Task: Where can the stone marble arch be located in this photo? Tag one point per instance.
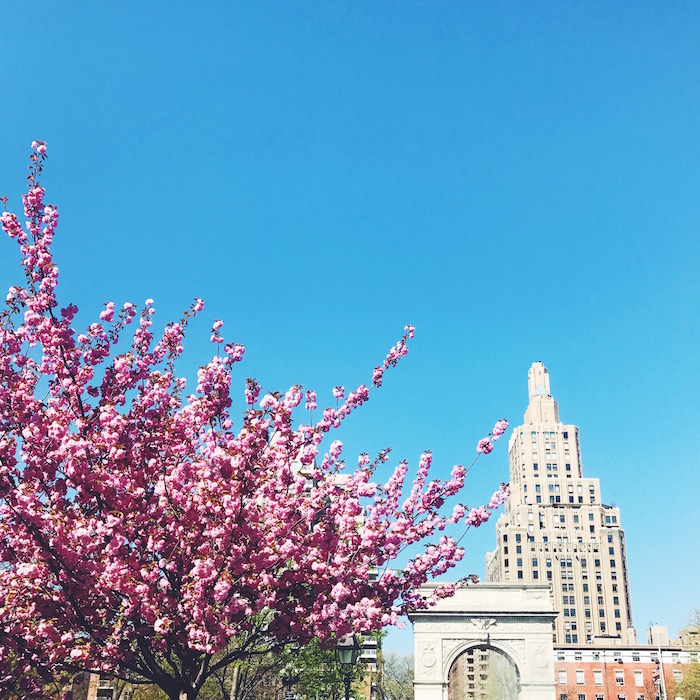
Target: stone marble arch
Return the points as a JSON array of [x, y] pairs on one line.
[[514, 620]]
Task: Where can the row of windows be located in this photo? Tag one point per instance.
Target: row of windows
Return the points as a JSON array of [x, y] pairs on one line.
[[617, 655], [562, 676], [561, 540], [548, 434], [564, 563], [599, 696]]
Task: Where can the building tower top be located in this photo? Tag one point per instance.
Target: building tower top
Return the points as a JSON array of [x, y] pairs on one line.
[[542, 407], [538, 380]]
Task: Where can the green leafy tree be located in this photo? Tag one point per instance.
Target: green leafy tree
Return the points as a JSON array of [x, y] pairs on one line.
[[689, 687], [396, 676]]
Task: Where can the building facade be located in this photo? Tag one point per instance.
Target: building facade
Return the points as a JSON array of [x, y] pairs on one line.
[[556, 529], [621, 673]]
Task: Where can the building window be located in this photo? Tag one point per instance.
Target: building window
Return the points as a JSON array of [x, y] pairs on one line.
[[619, 677], [639, 679], [562, 678], [598, 677], [579, 678]]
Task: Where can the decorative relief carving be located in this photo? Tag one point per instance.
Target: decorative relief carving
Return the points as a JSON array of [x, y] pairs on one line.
[[518, 648], [427, 660], [541, 659], [483, 623], [448, 646]]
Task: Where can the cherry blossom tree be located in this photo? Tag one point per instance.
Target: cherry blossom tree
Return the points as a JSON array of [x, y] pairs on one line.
[[152, 533]]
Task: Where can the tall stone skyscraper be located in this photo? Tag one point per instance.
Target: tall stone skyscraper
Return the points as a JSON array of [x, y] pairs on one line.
[[555, 528]]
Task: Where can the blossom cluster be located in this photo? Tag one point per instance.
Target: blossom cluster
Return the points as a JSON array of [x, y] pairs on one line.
[[485, 445]]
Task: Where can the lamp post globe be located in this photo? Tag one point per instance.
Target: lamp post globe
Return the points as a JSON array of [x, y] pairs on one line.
[[347, 651]]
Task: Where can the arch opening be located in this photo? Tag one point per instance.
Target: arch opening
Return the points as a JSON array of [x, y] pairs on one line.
[[483, 672]]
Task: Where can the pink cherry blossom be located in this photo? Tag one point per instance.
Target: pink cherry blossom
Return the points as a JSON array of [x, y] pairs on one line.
[[485, 446], [144, 530], [498, 429], [310, 400]]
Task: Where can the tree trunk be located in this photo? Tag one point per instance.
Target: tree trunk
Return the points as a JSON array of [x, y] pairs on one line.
[[234, 683]]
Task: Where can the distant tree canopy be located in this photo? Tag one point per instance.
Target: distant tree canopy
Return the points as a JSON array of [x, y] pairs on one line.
[[689, 687], [396, 676]]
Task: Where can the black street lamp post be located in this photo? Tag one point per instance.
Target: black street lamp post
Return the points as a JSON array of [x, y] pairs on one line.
[[289, 679], [347, 652]]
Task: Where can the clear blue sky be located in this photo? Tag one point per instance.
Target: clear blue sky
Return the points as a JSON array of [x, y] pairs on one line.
[[520, 181]]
